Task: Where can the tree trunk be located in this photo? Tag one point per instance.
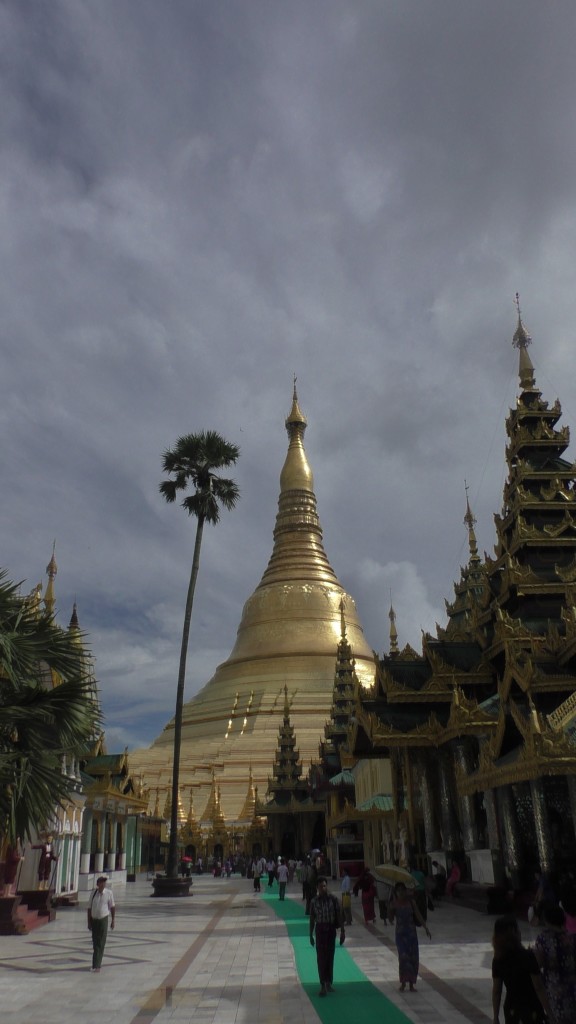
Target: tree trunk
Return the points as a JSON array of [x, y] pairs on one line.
[[172, 866]]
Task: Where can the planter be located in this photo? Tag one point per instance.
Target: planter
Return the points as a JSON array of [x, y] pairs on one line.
[[10, 922], [164, 886]]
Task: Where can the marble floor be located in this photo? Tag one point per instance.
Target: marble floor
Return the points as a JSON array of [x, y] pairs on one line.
[[224, 957]]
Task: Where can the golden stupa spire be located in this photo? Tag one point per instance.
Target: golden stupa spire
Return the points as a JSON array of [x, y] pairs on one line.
[[521, 341], [288, 632], [297, 535], [51, 569], [393, 630]]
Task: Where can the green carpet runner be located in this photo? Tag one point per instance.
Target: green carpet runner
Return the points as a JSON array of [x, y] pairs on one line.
[[356, 998]]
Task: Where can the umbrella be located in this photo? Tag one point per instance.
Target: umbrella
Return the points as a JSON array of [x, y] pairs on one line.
[[187, 860], [391, 874]]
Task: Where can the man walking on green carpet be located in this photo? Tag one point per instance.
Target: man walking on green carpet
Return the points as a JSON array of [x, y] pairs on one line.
[[325, 919]]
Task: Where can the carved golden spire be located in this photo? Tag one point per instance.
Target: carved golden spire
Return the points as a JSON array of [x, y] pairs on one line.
[[51, 569], [156, 811], [521, 340], [211, 810], [393, 631], [191, 820], [168, 808], [247, 812]]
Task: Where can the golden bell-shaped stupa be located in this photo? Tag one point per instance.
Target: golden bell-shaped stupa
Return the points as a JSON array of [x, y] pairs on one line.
[[287, 637]]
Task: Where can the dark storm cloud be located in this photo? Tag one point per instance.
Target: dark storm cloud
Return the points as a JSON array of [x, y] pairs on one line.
[[201, 199]]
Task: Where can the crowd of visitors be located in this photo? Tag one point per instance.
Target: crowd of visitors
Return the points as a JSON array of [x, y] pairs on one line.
[[534, 984]]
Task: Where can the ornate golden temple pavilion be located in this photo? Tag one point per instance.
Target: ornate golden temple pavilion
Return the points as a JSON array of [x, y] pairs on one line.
[[286, 639], [469, 748]]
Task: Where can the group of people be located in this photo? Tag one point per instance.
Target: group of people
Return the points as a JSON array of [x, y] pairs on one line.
[[536, 985], [328, 915], [279, 869]]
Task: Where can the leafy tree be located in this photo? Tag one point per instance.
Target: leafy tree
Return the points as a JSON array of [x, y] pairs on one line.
[[47, 711], [194, 461]]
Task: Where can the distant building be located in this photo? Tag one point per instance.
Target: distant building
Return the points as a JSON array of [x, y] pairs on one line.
[[478, 732]]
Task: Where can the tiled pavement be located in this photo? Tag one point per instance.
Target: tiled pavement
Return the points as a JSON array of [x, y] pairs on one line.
[[223, 957]]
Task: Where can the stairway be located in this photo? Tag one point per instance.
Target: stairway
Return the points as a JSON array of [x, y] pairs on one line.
[[22, 913]]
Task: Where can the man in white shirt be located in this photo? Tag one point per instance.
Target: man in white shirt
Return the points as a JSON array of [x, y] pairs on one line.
[[100, 907], [282, 877]]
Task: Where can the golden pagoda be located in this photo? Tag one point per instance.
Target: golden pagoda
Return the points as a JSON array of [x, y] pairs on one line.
[[287, 638]]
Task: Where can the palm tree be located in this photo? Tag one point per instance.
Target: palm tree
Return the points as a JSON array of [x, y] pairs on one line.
[[194, 460], [47, 711]]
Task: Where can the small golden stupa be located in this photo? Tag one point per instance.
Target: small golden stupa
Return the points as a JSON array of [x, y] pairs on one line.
[[287, 638]]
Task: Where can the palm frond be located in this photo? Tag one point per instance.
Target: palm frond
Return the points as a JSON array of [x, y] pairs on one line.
[[46, 710]]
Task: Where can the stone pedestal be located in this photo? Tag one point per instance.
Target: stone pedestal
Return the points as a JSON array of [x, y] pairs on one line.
[[164, 886], [10, 923], [481, 866]]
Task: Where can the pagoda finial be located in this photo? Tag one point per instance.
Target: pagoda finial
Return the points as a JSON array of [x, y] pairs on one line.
[[286, 703], [521, 341], [51, 569], [393, 630], [342, 620], [296, 473], [470, 522], [74, 625]]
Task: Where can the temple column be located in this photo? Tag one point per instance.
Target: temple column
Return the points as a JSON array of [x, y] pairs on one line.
[[541, 825], [111, 858], [463, 761], [489, 801], [86, 843], [511, 833], [100, 839], [450, 833], [571, 780], [432, 836]]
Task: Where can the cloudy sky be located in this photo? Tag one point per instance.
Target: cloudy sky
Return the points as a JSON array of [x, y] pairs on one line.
[[200, 199]]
